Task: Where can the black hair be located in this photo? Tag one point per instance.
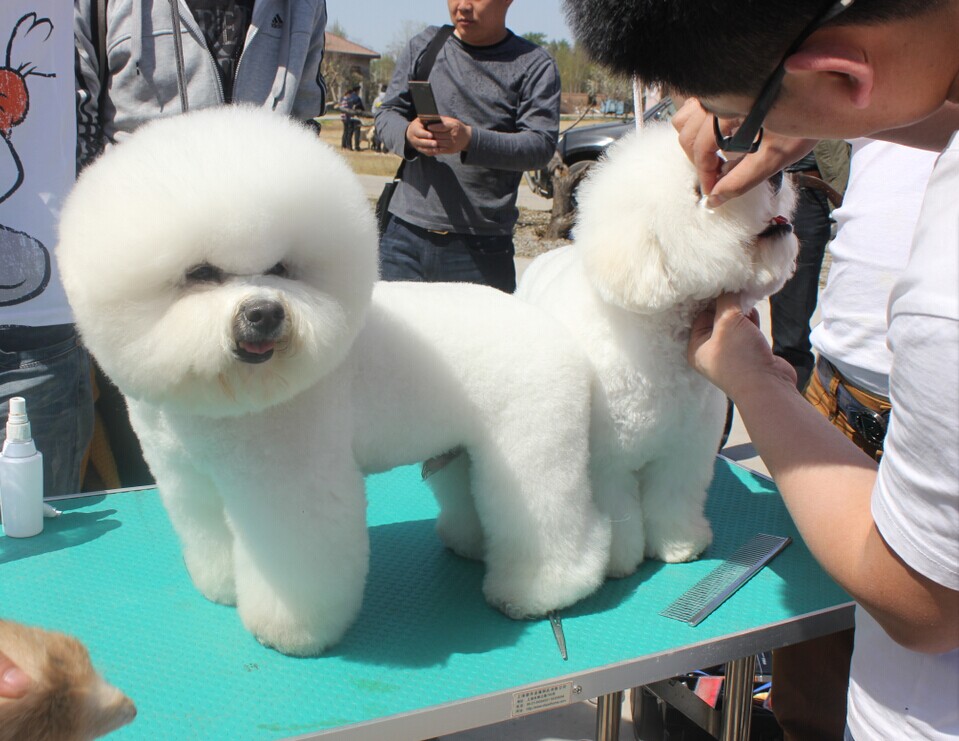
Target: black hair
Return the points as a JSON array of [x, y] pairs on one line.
[[709, 47]]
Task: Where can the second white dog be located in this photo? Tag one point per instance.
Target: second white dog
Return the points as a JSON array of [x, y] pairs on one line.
[[221, 267], [647, 257]]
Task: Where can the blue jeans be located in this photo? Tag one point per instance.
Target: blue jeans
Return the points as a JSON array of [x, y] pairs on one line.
[[408, 252], [793, 307], [49, 368]]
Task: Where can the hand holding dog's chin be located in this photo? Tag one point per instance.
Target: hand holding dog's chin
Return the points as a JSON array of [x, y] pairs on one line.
[[727, 178], [727, 347]]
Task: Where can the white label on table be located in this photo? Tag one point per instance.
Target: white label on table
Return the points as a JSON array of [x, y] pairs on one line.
[[541, 698]]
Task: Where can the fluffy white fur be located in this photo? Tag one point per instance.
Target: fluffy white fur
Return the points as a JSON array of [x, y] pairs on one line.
[[646, 258], [174, 247]]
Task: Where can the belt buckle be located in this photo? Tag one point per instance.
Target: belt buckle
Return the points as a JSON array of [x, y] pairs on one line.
[[871, 425]]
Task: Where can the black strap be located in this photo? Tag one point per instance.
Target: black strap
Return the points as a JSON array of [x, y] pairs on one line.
[[98, 23], [424, 66]]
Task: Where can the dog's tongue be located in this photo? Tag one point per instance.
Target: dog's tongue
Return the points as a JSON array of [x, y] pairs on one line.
[[258, 348], [780, 220]]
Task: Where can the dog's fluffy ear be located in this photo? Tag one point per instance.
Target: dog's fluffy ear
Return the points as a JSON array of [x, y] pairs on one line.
[[647, 241]]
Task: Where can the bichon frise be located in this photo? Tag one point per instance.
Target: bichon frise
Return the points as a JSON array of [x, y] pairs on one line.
[[67, 699], [221, 267], [647, 257]]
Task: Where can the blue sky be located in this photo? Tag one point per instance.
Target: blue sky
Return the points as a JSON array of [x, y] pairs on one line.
[[377, 24]]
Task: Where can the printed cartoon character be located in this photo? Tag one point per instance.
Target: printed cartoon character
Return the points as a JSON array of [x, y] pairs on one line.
[[24, 261]]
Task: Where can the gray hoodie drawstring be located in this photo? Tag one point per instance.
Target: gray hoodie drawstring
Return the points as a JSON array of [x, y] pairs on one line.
[[136, 40], [178, 53]]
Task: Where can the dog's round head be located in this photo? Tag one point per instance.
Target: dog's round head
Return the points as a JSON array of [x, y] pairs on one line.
[[649, 243], [219, 262]]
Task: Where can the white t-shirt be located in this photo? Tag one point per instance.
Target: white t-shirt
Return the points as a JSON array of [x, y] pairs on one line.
[[895, 693], [37, 158], [875, 225]]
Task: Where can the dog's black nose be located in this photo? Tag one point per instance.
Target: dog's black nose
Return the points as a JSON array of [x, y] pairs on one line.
[[262, 315]]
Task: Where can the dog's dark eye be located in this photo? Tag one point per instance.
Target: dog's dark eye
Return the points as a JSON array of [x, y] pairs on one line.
[[278, 270], [204, 273], [776, 181]]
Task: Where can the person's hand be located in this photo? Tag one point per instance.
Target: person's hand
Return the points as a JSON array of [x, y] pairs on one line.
[[726, 346], [446, 136], [723, 179], [14, 682]]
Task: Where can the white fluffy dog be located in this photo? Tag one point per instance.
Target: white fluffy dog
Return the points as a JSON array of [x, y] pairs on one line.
[[221, 267], [647, 257]]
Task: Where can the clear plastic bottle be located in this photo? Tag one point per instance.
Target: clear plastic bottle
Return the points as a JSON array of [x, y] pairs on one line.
[[21, 476]]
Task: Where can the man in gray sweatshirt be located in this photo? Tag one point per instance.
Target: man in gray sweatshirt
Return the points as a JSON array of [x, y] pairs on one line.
[[452, 215]]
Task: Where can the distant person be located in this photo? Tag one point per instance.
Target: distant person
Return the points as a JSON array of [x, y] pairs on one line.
[[134, 70], [791, 309], [453, 213], [349, 105]]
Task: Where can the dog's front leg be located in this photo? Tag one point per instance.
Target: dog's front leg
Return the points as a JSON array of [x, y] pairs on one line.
[[301, 550], [673, 489], [617, 496], [196, 511]]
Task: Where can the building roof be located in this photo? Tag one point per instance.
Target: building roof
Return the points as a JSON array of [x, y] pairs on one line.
[[338, 45]]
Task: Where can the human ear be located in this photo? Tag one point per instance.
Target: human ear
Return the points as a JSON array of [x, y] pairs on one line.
[[839, 59]]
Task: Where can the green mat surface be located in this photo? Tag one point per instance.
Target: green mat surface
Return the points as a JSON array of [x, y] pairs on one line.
[[109, 571]]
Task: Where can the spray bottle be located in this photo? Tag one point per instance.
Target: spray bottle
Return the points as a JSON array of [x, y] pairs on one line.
[[21, 476]]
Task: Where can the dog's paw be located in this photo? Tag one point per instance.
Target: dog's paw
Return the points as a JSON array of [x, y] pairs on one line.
[[532, 592], [627, 549], [214, 579], [683, 542], [275, 626], [465, 539]]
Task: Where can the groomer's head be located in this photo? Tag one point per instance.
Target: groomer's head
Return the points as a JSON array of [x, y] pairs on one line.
[[479, 22], [847, 68]]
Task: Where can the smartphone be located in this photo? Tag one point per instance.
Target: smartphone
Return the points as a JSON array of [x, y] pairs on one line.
[[423, 101]]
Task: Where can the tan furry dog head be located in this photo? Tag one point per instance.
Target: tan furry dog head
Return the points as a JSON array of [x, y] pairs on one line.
[[649, 243], [68, 700], [183, 288]]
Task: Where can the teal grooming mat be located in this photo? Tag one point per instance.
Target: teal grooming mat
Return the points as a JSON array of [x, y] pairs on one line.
[[426, 655]]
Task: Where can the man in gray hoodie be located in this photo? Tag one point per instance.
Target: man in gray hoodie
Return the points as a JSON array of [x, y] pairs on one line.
[[166, 56]]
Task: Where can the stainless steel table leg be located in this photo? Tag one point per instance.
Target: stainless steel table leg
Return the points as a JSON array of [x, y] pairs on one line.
[[738, 699], [609, 710]]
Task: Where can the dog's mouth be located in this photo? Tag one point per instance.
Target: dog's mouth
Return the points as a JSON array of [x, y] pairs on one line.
[[254, 352], [779, 226]]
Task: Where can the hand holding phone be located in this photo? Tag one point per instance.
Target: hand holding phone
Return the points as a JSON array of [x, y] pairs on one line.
[[423, 101]]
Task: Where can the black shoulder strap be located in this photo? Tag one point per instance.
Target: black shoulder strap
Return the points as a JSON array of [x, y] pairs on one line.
[[425, 63], [423, 67]]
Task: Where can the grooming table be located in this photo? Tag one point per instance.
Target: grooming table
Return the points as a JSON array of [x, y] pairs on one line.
[[427, 656]]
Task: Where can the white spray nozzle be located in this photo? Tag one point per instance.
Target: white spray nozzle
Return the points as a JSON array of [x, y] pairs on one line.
[[18, 425]]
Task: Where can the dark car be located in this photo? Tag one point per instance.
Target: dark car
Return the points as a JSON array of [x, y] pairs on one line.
[[580, 146]]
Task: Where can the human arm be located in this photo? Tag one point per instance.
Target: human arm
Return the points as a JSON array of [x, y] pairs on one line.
[[826, 482], [531, 144], [311, 92], [14, 683], [723, 179]]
